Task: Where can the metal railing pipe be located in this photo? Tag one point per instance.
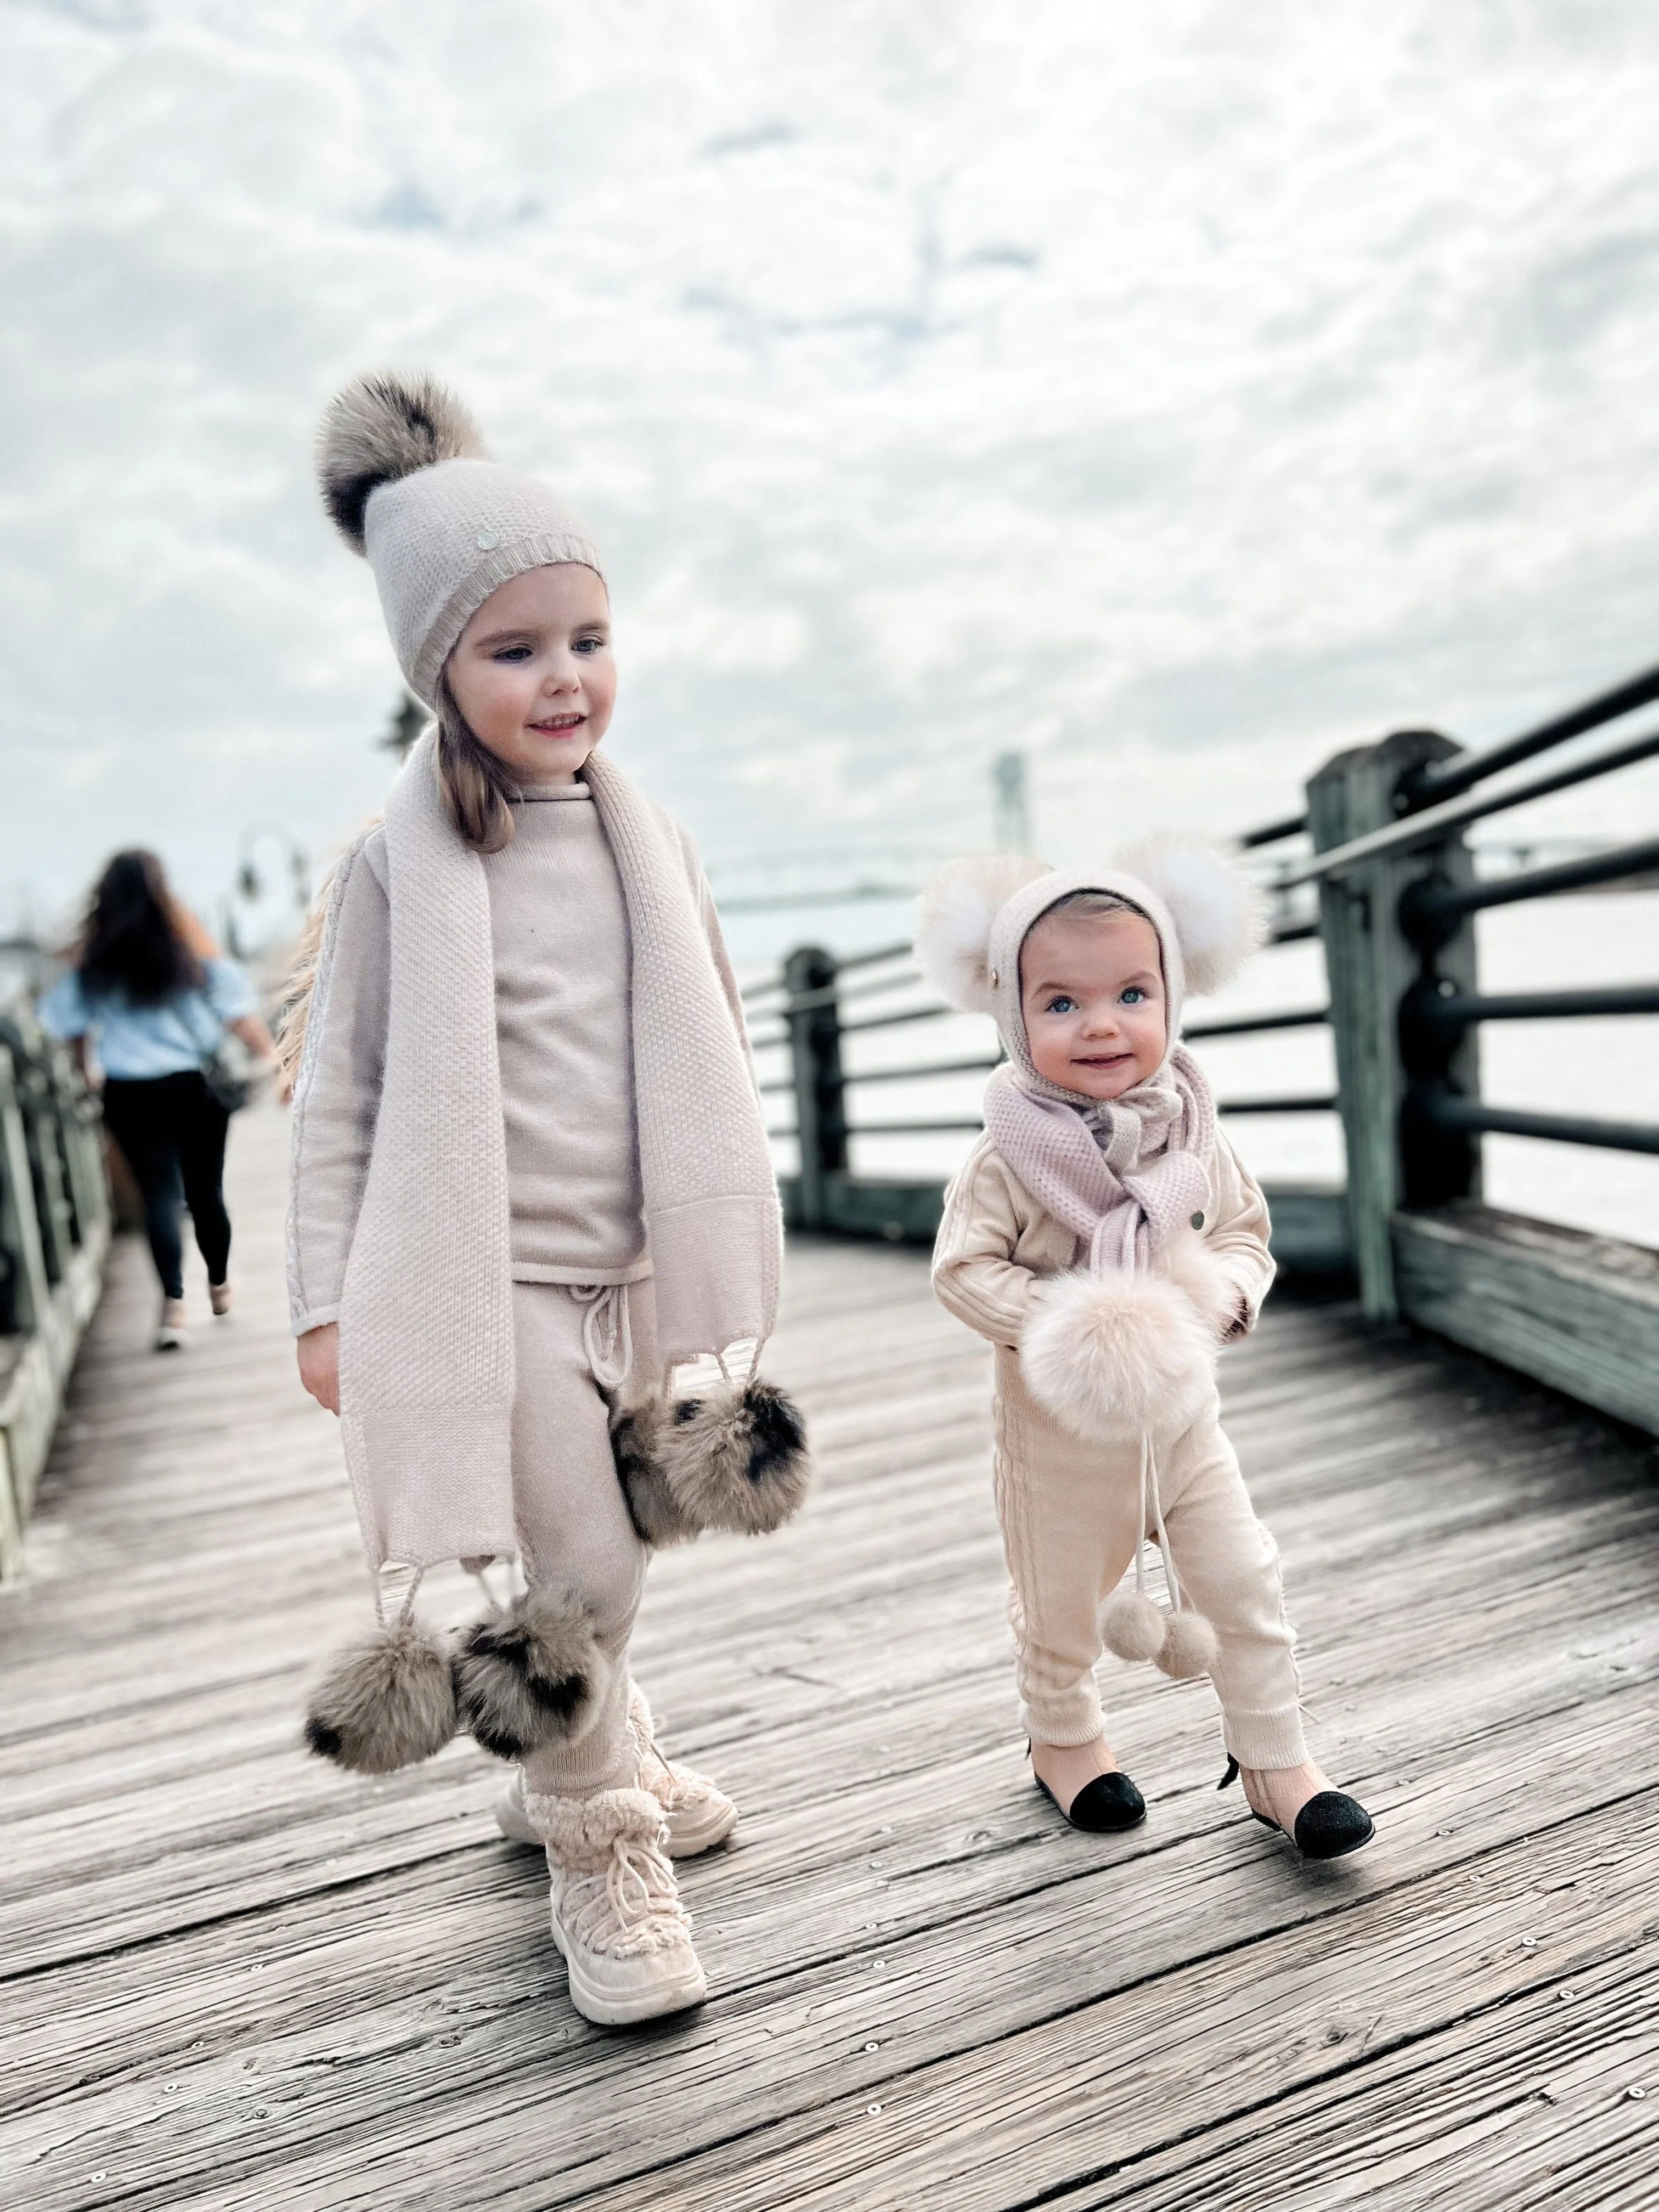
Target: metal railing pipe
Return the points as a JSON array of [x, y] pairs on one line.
[[1431, 782], [1446, 1110], [1457, 1008], [1433, 902], [1247, 1024], [1274, 833], [1431, 827], [1319, 1105]]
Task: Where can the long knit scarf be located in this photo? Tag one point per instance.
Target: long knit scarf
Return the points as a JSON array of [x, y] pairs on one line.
[[1122, 1175], [426, 1313]]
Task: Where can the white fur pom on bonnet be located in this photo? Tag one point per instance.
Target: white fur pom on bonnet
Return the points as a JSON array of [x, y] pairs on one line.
[[1209, 915], [954, 916]]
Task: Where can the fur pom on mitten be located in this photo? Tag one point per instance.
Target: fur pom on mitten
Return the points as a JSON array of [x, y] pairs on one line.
[[735, 1459], [1117, 1357], [531, 1677], [386, 1701], [1191, 1265]]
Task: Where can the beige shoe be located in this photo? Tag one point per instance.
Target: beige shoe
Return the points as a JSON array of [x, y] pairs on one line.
[[697, 1812], [616, 1911], [221, 1296], [170, 1329]]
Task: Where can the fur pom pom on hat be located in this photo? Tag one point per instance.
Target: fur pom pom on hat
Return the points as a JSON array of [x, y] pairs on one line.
[[380, 428], [406, 479]]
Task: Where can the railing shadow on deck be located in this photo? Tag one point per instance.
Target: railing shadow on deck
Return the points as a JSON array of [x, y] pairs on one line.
[[1397, 892]]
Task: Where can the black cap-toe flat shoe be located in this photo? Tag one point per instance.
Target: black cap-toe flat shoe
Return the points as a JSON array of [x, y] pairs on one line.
[[1104, 1806], [1330, 1826]]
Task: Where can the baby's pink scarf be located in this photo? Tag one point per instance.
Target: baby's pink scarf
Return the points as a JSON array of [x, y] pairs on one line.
[[1122, 1175]]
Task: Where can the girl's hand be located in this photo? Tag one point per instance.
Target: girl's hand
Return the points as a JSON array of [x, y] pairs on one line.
[[319, 1364]]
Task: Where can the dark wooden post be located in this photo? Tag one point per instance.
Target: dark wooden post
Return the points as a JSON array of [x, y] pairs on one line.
[[1377, 978], [815, 1060], [28, 1289]]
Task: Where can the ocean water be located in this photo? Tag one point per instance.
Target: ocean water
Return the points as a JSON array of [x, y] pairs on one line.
[[1608, 1068]]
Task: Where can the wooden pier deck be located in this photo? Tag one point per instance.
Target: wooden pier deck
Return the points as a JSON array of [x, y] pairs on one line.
[[233, 1977]]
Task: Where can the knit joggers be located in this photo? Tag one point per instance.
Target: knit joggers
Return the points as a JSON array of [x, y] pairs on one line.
[[1068, 1511], [573, 1529]]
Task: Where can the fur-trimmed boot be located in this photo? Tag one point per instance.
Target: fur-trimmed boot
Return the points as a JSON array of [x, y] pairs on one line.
[[735, 1459], [616, 1911], [697, 1812]]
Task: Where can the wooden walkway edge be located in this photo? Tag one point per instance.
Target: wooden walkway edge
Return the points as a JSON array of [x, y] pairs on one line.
[[231, 1977]]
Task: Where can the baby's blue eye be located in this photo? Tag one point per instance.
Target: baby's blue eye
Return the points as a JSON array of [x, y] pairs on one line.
[[1133, 995], [513, 653], [1062, 1005], [589, 645]]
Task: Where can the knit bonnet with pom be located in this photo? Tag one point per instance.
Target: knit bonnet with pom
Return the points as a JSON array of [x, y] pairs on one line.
[[977, 912], [406, 477]]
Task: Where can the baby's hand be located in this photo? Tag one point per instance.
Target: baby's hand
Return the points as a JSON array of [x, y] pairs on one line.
[[318, 1351]]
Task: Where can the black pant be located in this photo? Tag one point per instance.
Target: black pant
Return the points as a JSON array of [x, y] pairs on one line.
[[172, 1130]]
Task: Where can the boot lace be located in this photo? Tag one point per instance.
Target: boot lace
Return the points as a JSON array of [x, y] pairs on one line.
[[629, 1905]]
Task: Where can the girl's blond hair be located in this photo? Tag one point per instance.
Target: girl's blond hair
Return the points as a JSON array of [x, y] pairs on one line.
[[477, 794]]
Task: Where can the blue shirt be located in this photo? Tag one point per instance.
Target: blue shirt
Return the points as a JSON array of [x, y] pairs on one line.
[[136, 1043]]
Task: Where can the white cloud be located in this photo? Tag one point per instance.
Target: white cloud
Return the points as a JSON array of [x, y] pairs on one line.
[[1180, 393]]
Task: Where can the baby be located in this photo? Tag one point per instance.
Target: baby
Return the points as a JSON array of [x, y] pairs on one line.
[[1105, 1238]]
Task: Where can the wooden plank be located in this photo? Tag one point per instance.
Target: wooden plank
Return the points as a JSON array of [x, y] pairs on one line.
[[349, 1986], [1579, 1312]]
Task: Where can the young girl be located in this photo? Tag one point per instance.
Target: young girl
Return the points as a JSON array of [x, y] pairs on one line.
[[530, 1178], [1107, 1241], [149, 992]]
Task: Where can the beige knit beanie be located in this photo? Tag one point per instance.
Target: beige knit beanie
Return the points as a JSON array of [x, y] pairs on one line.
[[405, 476]]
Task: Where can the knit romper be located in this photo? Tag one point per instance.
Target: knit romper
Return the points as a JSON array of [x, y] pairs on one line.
[[582, 1307], [1069, 1510]]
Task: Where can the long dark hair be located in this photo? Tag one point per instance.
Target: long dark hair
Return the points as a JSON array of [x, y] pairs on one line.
[[135, 939]]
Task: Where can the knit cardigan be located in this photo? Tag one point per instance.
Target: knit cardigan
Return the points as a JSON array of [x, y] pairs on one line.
[[425, 1310]]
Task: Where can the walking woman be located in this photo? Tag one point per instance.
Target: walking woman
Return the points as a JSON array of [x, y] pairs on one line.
[[147, 986]]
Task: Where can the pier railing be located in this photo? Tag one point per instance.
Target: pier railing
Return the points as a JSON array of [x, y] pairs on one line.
[[1397, 894], [54, 1229]]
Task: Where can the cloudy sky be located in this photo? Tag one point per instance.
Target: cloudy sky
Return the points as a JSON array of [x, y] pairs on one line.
[[1176, 393]]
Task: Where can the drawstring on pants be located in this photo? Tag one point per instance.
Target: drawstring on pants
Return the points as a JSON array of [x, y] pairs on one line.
[[1149, 1487], [607, 1332]]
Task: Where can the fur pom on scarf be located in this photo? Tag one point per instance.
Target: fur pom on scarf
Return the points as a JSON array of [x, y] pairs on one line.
[[736, 1461]]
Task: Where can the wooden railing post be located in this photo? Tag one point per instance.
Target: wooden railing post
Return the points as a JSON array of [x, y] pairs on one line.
[[1373, 968], [27, 1289], [815, 1065]]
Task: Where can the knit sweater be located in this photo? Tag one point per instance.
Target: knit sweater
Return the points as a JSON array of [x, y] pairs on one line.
[[411, 1167], [566, 1053], [995, 1241]]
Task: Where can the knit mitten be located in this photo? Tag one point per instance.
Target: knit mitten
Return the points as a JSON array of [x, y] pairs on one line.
[[616, 1911]]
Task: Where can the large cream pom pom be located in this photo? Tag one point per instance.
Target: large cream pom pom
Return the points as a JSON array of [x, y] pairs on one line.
[[1116, 1357], [1131, 1625], [1189, 1647], [1219, 915], [953, 924]]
